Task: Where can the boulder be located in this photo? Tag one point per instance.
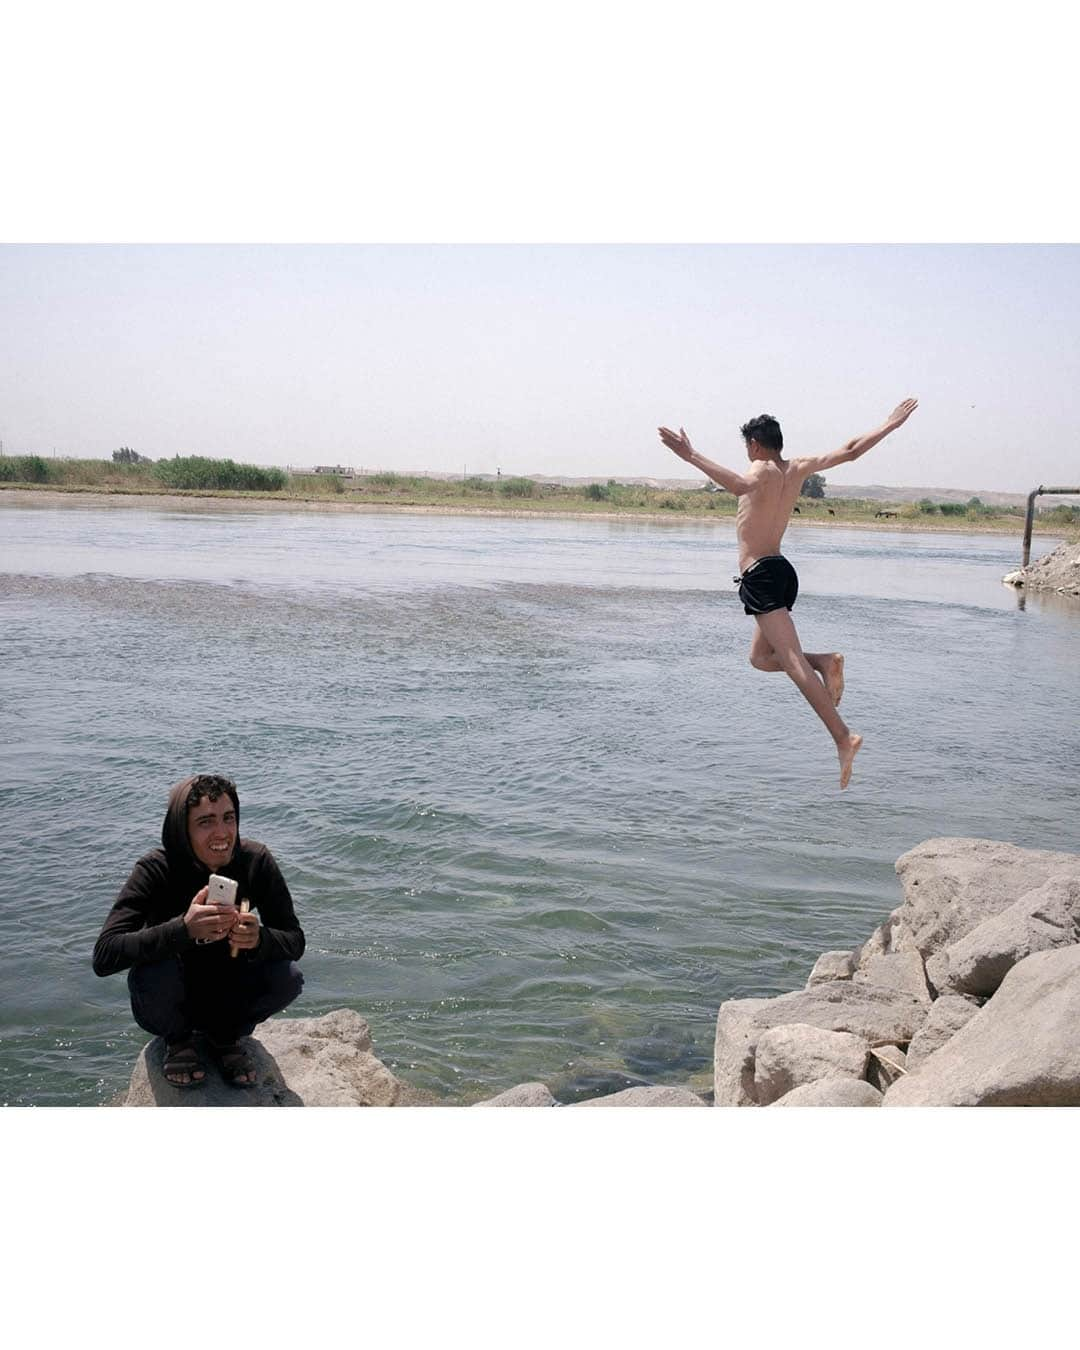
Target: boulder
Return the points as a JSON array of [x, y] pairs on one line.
[[645, 1096], [832, 966], [879, 1016], [788, 1057], [880, 942], [525, 1094], [953, 885], [900, 971], [832, 1092], [887, 1064], [1020, 1049], [1046, 917], [947, 1015], [299, 1061]]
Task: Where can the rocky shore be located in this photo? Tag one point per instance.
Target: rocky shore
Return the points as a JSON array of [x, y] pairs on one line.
[[967, 994], [1059, 571]]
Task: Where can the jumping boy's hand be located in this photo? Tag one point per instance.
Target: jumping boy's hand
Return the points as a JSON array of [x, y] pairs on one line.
[[680, 443], [902, 412]]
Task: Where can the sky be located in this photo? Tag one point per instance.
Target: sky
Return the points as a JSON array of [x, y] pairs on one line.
[[548, 359]]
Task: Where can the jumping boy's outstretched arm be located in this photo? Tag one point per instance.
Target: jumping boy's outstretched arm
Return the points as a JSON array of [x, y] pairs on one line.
[[727, 478], [859, 446]]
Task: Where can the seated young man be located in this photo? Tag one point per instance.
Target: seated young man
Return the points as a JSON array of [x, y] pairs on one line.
[[196, 966]]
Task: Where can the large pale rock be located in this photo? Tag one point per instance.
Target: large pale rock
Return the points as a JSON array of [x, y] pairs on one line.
[[902, 972], [1020, 1049], [525, 1094], [887, 1064], [947, 1015], [299, 1061], [645, 1096], [789, 1056], [1045, 918], [877, 1015], [952, 885], [880, 942], [832, 1092], [832, 966]]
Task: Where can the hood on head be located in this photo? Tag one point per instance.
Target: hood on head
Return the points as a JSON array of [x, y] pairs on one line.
[[174, 831]]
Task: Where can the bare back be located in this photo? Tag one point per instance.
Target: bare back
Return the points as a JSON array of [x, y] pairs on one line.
[[764, 511]]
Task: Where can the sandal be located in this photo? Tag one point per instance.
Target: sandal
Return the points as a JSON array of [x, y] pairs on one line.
[[237, 1067], [181, 1058]]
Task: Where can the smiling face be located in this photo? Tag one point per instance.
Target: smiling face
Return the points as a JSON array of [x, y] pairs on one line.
[[212, 830]]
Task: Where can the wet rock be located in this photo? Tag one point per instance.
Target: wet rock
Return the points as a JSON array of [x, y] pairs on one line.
[[600, 1083], [525, 1094], [646, 1096]]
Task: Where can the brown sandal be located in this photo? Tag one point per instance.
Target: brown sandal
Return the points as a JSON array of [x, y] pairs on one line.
[[181, 1057], [236, 1065]]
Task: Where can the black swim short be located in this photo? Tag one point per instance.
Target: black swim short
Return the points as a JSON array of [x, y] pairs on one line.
[[768, 584]]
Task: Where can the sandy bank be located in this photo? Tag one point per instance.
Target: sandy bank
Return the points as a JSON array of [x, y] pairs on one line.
[[196, 501]]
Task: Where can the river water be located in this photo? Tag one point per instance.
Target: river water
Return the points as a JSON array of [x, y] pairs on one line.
[[538, 814]]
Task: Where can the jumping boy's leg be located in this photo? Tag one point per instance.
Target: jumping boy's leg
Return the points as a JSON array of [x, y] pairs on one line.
[[829, 665], [779, 632]]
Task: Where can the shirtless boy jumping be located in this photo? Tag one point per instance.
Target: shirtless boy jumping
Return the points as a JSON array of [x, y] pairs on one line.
[[768, 585]]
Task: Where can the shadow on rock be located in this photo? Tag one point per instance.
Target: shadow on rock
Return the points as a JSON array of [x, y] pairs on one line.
[[150, 1087]]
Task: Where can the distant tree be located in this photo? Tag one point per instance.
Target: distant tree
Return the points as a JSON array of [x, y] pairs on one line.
[[814, 486], [125, 455]]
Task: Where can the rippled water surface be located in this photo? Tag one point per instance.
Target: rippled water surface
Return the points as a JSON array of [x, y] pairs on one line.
[[538, 814]]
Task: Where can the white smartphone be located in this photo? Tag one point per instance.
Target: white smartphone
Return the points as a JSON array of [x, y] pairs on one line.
[[222, 890]]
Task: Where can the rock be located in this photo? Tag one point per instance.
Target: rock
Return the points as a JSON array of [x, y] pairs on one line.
[[788, 1057], [880, 941], [947, 1015], [1058, 571], [901, 971], [832, 1092], [299, 1061], [1014, 578], [525, 1094], [645, 1096], [1046, 917], [1020, 1049], [832, 966], [887, 1064], [879, 1016], [953, 885]]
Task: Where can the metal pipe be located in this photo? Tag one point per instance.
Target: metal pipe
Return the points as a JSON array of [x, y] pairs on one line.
[[1030, 518]]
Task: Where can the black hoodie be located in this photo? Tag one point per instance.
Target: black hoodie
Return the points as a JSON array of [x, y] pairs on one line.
[[147, 921]]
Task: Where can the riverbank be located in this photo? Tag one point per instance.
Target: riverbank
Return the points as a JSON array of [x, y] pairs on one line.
[[211, 501]]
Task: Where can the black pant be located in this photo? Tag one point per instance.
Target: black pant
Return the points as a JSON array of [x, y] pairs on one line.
[[167, 1002]]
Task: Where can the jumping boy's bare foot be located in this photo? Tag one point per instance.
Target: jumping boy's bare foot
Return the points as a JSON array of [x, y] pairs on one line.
[[834, 679], [847, 750]]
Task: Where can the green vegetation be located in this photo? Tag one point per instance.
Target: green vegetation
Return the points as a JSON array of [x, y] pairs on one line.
[[196, 475], [814, 486]]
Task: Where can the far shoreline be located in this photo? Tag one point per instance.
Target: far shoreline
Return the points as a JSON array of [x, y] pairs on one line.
[[222, 501]]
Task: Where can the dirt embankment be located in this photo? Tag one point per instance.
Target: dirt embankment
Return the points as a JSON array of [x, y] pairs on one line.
[[1058, 571]]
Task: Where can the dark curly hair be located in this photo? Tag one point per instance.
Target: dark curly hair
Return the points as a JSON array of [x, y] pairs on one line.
[[212, 785], [764, 429]]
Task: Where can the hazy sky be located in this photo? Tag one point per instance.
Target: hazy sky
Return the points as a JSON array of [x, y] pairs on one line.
[[554, 359]]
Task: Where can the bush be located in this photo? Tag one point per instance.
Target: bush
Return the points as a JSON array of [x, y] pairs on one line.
[[597, 492], [385, 479], [671, 503], [927, 507], [317, 484], [518, 487], [24, 469], [186, 472], [953, 509]]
